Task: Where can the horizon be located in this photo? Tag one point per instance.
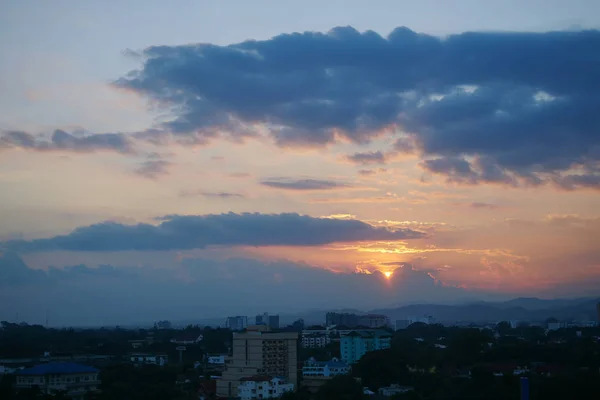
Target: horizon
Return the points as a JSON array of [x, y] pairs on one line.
[[189, 162]]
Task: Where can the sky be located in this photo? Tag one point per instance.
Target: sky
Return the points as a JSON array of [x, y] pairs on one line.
[[194, 159]]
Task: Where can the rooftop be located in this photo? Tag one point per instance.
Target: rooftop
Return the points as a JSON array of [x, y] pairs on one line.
[[58, 368]]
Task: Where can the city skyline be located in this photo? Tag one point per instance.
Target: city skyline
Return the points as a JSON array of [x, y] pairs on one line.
[[363, 156]]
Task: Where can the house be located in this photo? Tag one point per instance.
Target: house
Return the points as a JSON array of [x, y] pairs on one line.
[[74, 379], [394, 390], [263, 387], [147, 358], [357, 343], [187, 339], [216, 359], [327, 369]]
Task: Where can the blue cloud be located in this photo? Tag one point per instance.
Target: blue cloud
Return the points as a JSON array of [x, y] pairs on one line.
[[519, 108], [178, 232]]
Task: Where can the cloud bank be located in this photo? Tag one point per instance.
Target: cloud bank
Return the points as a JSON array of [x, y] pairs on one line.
[[510, 108], [177, 232], [61, 140]]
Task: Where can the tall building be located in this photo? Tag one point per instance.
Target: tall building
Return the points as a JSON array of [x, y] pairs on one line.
[[257, 353], [262, 319], [357, 343], [272, 321], [374, 321], [343, 319], [238, 323]]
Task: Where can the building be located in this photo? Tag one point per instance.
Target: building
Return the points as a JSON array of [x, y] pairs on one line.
[[598, 313], [263, 387], [272, 321], [342, 319], [259, 353], [216, 360], [147, 358], [394, 390], [238, 323], [326, 369], [315, 340], [74, 379], [374, 321], [187, 339], [357, 343]]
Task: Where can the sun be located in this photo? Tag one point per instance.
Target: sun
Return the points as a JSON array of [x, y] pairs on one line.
[[388, 274]]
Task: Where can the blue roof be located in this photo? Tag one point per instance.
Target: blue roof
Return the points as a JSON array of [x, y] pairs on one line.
[[58, 368]]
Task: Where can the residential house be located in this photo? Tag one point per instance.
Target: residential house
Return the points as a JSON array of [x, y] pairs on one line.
[[74, 379], [263, 387], [393, 390], [325, 369]]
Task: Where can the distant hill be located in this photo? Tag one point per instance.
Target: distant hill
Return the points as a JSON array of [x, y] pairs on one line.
[[524, 309]]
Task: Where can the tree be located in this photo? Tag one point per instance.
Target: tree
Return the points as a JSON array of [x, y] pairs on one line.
[[342, 387]]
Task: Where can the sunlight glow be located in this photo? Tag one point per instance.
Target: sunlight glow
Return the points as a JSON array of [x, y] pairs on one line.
[[388, 274]]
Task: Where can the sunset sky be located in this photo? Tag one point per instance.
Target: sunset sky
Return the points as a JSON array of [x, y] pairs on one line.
[[198, 158]]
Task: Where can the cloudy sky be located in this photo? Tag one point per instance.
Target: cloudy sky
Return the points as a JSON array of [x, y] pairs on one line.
[[201, 158]]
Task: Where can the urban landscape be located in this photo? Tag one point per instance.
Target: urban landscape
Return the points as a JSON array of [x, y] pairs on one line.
[[349, 356]]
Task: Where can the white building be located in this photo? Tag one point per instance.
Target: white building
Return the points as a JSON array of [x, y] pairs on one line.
[[314, 340], [263, 387], [326, 369], [153, 359]]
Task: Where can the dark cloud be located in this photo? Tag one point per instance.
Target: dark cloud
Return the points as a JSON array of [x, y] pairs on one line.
[[153, 169], [303, 184], [522, 106], [61, 140], [190, 232], [369, 157], [221, 195]]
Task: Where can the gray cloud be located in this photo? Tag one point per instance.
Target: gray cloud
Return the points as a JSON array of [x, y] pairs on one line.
[[61, 140], [178, 232], [522, 106], [369, 157], [303, 184], [153, 169], [221, 195]]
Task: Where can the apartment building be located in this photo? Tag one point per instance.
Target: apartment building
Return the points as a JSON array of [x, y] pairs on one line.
[[374, 321], [259, 352], [237, 323], [74, 379], [357, 343], [314, 340]]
